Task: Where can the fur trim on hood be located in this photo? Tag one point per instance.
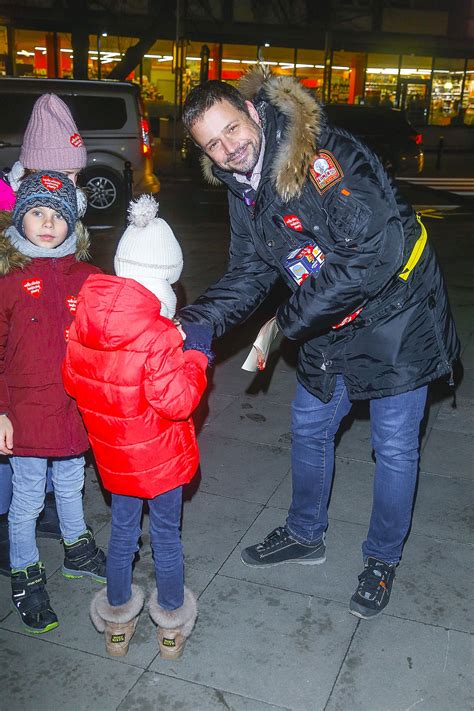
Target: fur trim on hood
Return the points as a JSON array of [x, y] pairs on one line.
[[303, 127], [11, 258]]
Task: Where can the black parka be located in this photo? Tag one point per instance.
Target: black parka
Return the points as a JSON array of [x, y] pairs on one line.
[[404, 336]]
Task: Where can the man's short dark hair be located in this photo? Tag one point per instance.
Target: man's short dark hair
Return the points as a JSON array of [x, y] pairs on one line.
[[203, 97]]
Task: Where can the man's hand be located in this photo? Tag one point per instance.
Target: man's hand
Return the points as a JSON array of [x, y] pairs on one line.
[[6, 435]]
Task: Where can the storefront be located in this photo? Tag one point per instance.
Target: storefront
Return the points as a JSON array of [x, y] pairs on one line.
[[433, 90]]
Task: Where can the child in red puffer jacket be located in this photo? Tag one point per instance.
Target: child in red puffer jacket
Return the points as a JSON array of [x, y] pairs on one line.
[[136, 389]]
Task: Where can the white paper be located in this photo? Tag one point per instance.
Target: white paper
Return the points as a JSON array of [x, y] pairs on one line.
[[257, 358]]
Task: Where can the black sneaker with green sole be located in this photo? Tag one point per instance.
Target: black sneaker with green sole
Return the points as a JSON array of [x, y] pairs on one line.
[[280, 547], [31, 601]]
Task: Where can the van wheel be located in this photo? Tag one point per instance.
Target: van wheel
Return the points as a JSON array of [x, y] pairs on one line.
[[103, 188]]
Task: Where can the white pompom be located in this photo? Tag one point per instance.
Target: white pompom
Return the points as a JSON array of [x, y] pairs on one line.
[[81, 202], [15, 175], [142, 211]]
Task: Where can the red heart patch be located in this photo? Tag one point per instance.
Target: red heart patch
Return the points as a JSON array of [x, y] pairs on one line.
[[71, 302], [50, 183], [33, 287], [293, 222], [66, 334], [76, 140]]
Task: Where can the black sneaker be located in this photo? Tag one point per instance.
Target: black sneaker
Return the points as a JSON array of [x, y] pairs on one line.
[[47, 525], [280, 547], [373, 591], [83, 558], [31, 601]]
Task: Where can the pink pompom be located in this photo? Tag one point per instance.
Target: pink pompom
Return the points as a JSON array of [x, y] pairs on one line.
[[7, 196]]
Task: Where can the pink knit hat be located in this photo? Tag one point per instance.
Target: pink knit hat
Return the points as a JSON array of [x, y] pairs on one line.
[[51, 140]]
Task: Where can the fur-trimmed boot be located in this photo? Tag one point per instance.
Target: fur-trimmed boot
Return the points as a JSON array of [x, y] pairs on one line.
[[118, 622], [173, 626]]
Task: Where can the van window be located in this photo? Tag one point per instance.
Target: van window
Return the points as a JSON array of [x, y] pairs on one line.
[[91, 113]]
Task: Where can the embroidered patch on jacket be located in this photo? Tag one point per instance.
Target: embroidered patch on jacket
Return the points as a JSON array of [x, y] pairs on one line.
[[33, 287], [50, 183], [66, 334], [293, 222], [71, 303], [324, 171]]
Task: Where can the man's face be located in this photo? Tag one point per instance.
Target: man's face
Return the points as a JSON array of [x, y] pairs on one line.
[[230, 137]]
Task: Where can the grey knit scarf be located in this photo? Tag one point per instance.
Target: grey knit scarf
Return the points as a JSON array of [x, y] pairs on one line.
[[28, 249]]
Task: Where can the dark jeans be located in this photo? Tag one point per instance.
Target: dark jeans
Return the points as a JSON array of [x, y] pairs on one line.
[[395, 424], [165, 518]]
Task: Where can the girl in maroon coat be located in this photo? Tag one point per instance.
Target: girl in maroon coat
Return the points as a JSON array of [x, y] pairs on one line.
[[136, 390], [41, 274]]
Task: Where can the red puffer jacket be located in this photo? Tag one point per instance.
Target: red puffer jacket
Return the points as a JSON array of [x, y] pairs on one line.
[[135, 387], [37, 306]]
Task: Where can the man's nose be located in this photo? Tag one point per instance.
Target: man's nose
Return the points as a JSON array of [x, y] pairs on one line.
[[229, 145]]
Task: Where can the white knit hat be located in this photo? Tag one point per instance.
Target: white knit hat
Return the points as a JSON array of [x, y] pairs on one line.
[[149, 252]]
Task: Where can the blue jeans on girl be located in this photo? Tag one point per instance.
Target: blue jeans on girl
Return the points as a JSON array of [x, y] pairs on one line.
[[6, 487], [395, 424], [29, 479], [165, 520]]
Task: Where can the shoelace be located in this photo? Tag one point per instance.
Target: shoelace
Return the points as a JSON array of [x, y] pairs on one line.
[[273, 539], [371, 579]]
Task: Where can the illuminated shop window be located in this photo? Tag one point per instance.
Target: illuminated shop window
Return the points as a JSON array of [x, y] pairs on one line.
[[310, 70], [105, 51], [31, 53], [3, 50], [445, 108], [415, 78], [381, 80], [468, 95], [340, 77], [236, 58]]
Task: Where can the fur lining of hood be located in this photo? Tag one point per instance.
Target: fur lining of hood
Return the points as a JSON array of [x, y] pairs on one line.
[[303, 128], [11, 258]]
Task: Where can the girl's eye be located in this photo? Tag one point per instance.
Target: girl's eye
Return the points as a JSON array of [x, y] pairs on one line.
[[58, 216]]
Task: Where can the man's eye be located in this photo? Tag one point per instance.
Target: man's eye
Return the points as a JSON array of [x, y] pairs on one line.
[[232, 129], [212, 146]]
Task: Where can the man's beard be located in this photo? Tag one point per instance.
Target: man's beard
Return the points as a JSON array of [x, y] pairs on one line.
[[247, 163]]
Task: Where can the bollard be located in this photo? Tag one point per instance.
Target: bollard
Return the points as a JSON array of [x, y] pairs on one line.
[[439, 152], [128, 185]]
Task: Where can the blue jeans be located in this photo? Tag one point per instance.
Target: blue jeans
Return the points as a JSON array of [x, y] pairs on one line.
[[29, 480], [165, 519], [395, 425], [6, 487]]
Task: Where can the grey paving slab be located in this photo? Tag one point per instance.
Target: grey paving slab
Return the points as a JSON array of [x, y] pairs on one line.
[[425, 587], [458, 419], [210, 407], [229, 378], [274, 646], [465, 386], [262, 421], [467, 353], [400, 665], [353, 440], [212, 526], [250, 473], [462, 317], [55, 677], [335, 579], [448, 454], [157, 691], [96, 502]]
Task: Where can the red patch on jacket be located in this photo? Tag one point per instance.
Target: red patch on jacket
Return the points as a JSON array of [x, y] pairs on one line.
[[324, 171], [293, 222], [50, 183], [66, 334], [347, 319], [71, 303], [33, 287]]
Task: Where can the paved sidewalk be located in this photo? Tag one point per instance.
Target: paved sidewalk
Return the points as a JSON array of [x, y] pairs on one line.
[[281, 638]]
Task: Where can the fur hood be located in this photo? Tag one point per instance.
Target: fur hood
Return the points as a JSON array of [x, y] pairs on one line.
[[11, 258], [304, 125]]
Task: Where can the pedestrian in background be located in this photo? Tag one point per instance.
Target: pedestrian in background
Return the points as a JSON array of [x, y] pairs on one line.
[[42, 270], [311, 204], [51, 142], [136, 390]]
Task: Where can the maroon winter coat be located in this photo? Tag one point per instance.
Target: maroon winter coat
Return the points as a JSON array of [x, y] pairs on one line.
[[37, 306]]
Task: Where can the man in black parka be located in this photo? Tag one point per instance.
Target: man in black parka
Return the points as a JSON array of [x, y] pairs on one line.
[[311, 204]]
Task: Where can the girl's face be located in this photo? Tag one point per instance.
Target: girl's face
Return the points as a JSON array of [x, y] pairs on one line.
[[44, 227]]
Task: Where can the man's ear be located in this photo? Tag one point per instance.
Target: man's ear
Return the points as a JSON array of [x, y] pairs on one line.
[[253, 112]]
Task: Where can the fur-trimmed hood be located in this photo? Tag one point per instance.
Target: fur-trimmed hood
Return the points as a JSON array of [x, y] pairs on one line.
[[304, 123], [11, 258]]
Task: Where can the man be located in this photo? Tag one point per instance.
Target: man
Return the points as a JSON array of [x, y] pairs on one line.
[[309, 203]]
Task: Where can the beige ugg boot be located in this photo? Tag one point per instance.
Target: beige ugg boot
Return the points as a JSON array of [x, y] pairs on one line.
[[173, 626], [118, 622]]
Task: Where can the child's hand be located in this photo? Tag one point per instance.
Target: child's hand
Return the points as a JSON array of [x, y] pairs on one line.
[[6, 435]]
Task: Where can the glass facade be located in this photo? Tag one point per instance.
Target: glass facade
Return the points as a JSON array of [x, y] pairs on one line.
[[432, 90]]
